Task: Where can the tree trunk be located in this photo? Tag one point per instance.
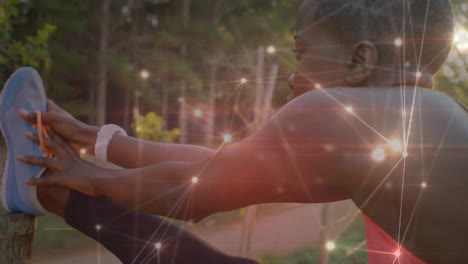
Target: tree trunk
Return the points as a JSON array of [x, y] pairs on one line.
[[165, 104], [324, 230], [182, 113], [136, 93], [136, 105], [251, 212], [92, 99], [270, 89], [183, 87], [126, 110], [16, 238], [102, 66], [247, 229], [186, 13], [211, 113], [259, 85]]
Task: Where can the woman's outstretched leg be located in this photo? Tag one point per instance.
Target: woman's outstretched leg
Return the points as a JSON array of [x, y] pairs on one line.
[[133, 237]]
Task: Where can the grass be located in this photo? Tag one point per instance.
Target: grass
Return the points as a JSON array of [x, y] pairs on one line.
[[341, 254], [52, 233]]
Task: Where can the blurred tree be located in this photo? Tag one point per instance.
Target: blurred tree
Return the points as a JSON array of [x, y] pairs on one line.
[[453, 78], [29, 50], [100, 47], [221, 42], [150, 127], [102, 67], [70, 76]]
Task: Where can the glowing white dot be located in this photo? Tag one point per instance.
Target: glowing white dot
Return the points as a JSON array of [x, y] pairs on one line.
[[349, 109], [397, 253], [82, 151], [318, 86], [197, 112], [138, 128], [271, 49], [418, 74], [194, 180], [227, 138], [329, 148], [98, 227], [330, 245], [388, 185], [424, 185], [395, 145], [280, 189], [158, 245], [460, 39], [378, 154], [144, 74], [181, 100], [398, 42], [243, 81], [405, 154]]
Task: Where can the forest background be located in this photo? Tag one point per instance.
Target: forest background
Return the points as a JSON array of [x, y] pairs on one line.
[[187, 71]]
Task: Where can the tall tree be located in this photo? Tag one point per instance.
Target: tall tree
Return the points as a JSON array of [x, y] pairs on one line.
[[213, 77], [102, 63], [183, 85], [19, 48]]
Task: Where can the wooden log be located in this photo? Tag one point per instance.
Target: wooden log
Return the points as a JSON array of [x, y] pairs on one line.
[[16, 238]]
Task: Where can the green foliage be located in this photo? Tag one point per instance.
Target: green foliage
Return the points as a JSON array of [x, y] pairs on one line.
[[30, 51], [150, 127], [52, 233], [228, 35], [453, 78], [242, 26], [8, 9]]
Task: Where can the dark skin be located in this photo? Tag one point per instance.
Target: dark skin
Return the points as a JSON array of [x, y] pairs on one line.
[[286, 161]]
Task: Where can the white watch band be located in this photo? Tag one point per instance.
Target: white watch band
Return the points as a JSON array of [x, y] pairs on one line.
[[104, 136]]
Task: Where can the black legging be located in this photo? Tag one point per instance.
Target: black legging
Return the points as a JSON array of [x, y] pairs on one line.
[[128, 234]]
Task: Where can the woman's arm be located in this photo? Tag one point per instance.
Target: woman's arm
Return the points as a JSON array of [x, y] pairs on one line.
[[284, 161], [129, 152], [124, 151]]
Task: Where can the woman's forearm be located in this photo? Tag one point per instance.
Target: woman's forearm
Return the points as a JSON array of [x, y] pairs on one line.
[[129, 152], [163, 189]]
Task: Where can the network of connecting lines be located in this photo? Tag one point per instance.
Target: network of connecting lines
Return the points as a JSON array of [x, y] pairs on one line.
[[399, 145], [378, 154]]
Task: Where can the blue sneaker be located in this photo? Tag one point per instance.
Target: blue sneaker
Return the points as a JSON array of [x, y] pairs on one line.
[[24, 90]]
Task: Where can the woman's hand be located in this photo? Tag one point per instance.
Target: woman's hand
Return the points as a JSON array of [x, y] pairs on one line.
[[79, 134], [69, 169]]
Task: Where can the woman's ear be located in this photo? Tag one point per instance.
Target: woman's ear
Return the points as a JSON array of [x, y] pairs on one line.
[[362, 63]]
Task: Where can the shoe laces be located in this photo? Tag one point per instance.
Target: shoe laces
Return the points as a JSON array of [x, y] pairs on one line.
[[42, 133]]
